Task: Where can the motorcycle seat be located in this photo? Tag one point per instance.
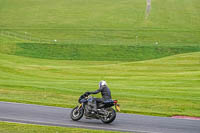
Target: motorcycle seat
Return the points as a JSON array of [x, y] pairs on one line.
[[108, 101]]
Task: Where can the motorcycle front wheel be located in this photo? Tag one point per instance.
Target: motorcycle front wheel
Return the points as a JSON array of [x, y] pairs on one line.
[[76, 113], [110, 116]]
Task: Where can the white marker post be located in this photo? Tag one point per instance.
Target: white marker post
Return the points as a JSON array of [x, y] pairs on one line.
[[148, 8], [25, 35], [55, 41], [136, 39]]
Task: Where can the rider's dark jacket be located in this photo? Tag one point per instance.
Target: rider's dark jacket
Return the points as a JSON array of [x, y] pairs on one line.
[[105, 92]]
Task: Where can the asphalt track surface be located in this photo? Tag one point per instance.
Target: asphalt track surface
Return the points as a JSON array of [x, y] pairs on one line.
[[56, 116]]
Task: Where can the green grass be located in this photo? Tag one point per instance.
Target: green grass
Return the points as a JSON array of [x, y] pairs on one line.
[[166, 86], [90, 52], [104, 22], [28, 128], [100, 40], [96, 52]]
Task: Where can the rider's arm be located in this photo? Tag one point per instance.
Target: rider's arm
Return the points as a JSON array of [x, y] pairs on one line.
[[97, 91]]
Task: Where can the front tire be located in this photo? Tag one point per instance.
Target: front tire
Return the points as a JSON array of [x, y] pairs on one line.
[[110, 117], [76, 113]]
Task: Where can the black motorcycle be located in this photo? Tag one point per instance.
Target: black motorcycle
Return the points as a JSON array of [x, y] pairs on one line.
[[104, 111]]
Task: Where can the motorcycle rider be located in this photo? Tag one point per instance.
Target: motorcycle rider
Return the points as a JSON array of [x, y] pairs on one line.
[[105, 92]]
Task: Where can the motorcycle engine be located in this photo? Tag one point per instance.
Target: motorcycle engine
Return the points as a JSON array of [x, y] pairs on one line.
[[89, 107]]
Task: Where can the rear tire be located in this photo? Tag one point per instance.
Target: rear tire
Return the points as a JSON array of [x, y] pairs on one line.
[[76, 114], [110, 117]]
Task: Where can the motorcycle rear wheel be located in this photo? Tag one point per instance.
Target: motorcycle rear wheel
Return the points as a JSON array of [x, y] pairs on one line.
[[76, 114], [110, 116]]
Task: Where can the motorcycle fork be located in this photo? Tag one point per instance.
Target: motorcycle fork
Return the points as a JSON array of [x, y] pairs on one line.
[[80, 106]]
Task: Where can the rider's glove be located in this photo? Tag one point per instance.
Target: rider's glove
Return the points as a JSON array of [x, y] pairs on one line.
[[87, 93]]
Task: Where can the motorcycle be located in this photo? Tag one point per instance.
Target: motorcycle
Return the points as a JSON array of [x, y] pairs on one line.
[[104, 111]]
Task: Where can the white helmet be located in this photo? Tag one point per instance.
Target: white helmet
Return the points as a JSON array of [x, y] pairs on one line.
[[102, 83]]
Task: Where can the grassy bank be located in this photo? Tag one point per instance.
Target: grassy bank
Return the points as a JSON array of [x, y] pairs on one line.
[[165, 86], [90, 52]]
